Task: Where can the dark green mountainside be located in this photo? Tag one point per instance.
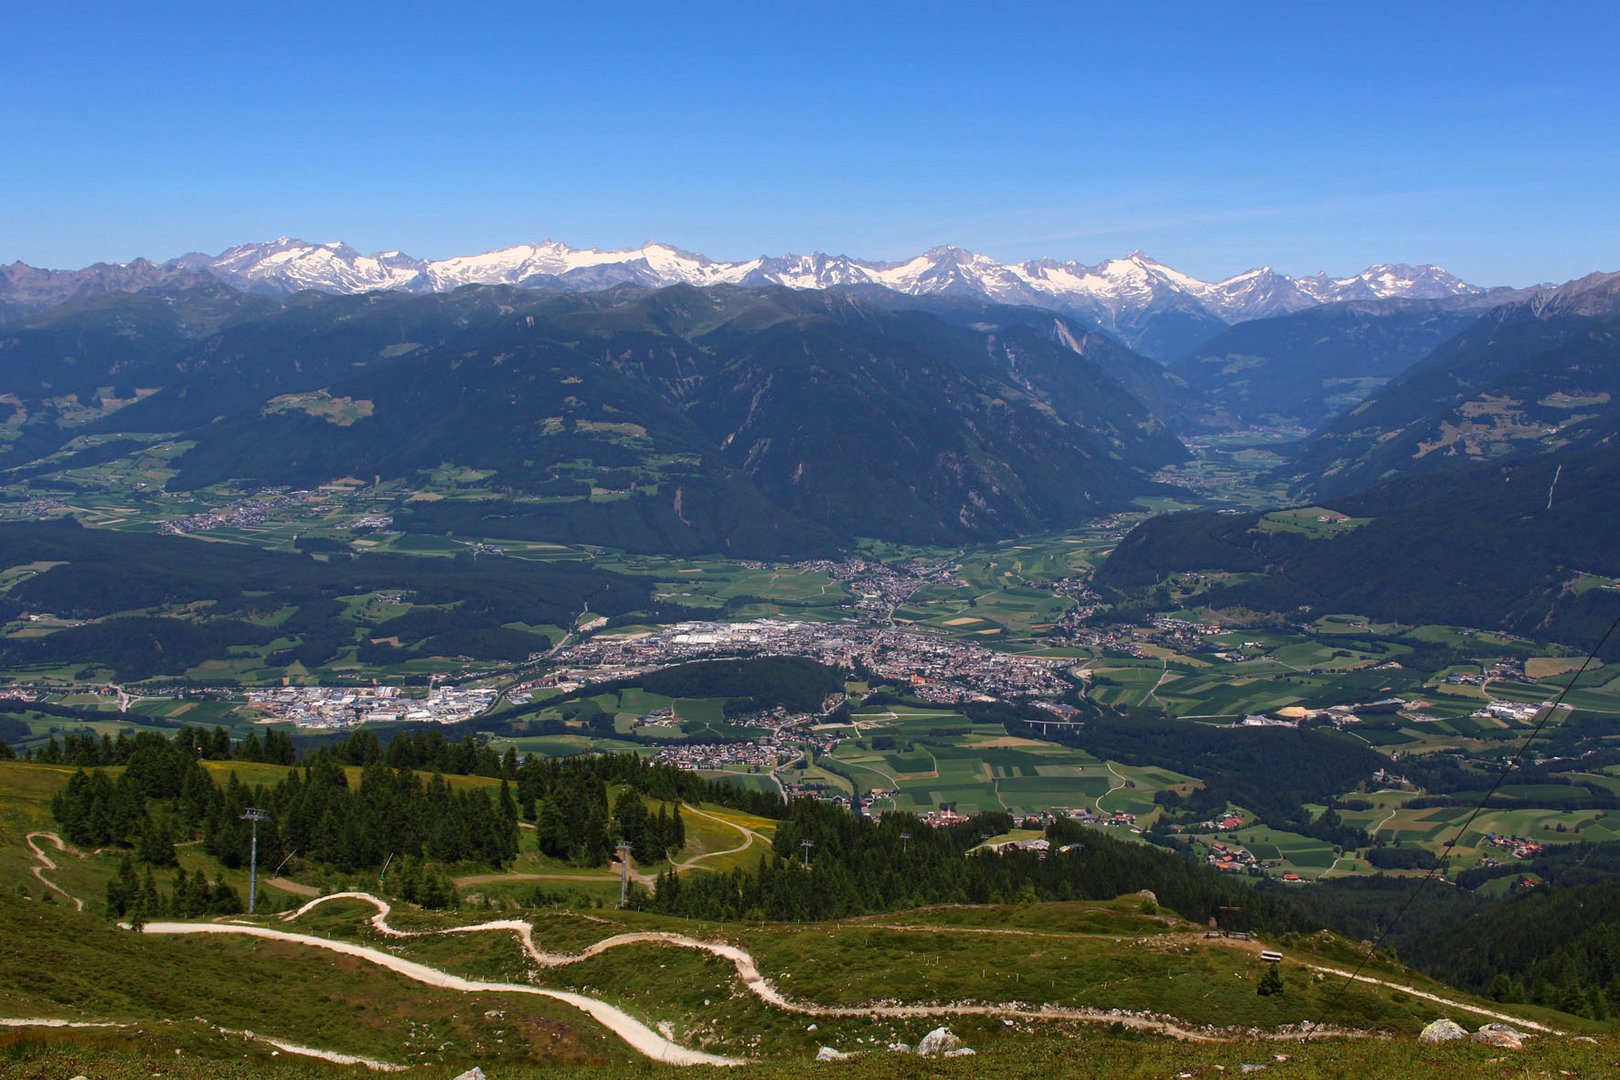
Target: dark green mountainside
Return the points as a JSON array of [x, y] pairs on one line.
[[1528, 377], [1304, 367], [756, 421], [1505, 545], [164, 604], [1165, 394]]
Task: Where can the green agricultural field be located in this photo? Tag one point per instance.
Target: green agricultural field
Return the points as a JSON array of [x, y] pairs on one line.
[[1433, 827], [1306, 856], [990, 771], [1312, 522]]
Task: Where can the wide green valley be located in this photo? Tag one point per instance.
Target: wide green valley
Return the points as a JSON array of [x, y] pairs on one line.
[[912, 632]]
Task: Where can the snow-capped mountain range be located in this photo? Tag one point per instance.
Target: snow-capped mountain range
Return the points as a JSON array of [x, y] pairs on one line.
[[1119, 295], [1134, 281]]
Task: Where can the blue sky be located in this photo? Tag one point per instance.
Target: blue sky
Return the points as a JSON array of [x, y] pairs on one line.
[[1484, 137]]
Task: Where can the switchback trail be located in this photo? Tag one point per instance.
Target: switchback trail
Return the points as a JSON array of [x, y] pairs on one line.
[[46, 863], [748, 971], [748, 838], [638, 1035], [653, 1045]]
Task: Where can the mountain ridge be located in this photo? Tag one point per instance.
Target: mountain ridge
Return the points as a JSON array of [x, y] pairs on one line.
[[1150, 306], [1528, 377]]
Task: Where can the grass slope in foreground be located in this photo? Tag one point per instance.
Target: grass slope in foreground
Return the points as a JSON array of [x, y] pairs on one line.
[[858, 982]]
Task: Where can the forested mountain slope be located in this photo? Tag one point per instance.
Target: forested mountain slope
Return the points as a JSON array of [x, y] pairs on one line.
[[1528, 377], [1507, 545], [757, 421], [1304, 367]]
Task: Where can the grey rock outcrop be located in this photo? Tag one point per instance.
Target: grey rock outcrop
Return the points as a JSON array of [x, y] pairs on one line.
[[1443, 1031], [1500, 1035]]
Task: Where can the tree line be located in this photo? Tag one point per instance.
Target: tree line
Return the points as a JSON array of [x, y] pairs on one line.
[[827, 864]]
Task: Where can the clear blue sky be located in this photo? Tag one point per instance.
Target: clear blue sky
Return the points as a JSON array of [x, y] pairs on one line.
[[1484, 137]]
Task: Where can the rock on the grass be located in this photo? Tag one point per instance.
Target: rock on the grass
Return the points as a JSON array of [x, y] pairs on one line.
[[938, 1041], [961, 1051], [474, 1073], [1500, 1035], [900, 1048], [827, 1053], [1443, 1031]]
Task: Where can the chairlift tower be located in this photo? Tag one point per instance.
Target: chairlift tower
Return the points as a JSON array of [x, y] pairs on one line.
[[905, 842], [254, 815], [804, 847], [624, 872]]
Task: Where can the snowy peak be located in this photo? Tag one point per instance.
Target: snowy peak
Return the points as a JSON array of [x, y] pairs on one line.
[[1388, 281], [289, 265], [1257, 294], [1121, 295]]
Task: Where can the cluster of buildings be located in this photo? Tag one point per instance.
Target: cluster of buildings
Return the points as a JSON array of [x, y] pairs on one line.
[[253, 510], [935, 667], [1385, 780], [1339, 716], [1522, 847], [332, 707], [1231, 858], [1184, 635], [1227, 822], [880, 588], [941, 816], [1508, 667], [33, 509], [1117, 819], [1039, 844], [877, 795], [764, 754], [1517, 712], [368, 522], [1112, 640]]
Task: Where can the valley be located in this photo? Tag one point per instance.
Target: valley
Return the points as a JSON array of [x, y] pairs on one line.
[[864, 541], [628, 637]]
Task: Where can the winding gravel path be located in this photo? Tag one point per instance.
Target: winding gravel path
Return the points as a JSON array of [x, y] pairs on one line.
[[748, 971], [280, 1044], [47, 863], [638, 1035], [656, 1046]]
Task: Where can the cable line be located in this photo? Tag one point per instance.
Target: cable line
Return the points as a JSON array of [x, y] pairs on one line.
[[1423, 882]]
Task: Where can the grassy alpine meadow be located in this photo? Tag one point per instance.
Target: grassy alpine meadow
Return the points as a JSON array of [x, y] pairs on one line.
[[335, 1003], [1124, 955], [1090, 957]]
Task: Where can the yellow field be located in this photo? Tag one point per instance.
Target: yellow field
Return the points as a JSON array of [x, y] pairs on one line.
[[1547, 667]]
